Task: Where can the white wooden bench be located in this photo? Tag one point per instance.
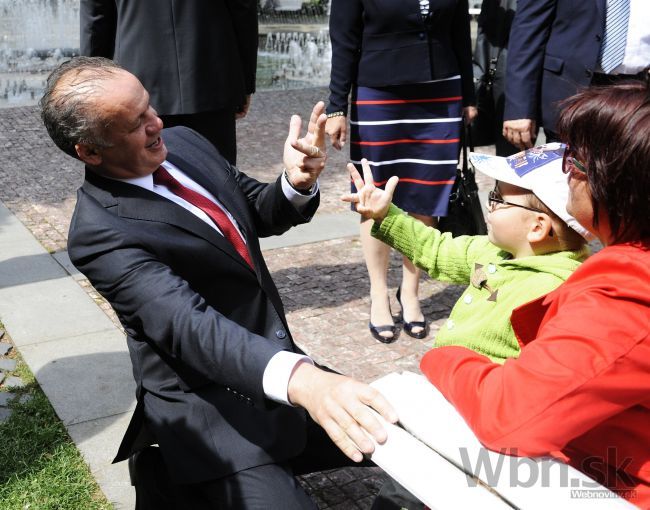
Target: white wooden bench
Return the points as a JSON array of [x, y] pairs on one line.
[[437, 457]]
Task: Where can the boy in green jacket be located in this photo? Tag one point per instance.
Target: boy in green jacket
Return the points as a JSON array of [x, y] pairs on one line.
[[532, 245]]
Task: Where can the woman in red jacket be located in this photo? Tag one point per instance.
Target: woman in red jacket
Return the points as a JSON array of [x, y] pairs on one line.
[[580, 390]]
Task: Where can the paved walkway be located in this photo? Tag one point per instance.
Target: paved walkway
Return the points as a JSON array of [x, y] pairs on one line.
[[72, 341]]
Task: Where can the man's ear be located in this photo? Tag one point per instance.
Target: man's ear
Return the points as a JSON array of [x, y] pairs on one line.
[[89, 154], [540, 228]]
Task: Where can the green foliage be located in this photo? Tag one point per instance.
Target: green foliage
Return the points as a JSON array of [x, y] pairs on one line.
[[40, 467]]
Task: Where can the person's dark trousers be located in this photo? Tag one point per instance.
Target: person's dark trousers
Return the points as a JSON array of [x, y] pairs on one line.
[[394, 496], [261, 487], [217, 126]]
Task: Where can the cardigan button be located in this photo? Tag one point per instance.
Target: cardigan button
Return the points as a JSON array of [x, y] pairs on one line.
[[467, 299], [450, 324], [492, 268], [422, 35], [280, 334]]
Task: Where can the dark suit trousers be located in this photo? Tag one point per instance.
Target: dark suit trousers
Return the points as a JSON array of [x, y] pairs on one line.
[[263, 487], [217, 126]]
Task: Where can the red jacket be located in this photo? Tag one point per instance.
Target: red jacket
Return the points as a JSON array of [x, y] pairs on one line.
[[580, 390]]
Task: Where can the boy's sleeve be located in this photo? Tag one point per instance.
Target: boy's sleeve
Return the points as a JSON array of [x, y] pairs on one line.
[[442, 256]]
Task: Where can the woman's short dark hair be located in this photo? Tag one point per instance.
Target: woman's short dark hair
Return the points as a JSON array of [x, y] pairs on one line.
[[609, 129]]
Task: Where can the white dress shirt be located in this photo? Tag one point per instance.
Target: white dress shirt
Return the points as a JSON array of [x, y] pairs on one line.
[[282, 365], [637, 45]]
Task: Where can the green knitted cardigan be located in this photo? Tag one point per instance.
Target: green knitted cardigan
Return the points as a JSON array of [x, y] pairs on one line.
[[477, 322]]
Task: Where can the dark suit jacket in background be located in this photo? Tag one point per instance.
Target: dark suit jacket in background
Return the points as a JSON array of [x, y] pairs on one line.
[[191, 55], [491, 53], [553, 52], [376, 43], [201, 325]]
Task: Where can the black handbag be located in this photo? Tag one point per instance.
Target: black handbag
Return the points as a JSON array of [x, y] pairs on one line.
[[465, 213], [484, 127]]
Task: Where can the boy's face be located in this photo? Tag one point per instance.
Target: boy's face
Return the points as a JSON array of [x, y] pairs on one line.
[[509, 224]]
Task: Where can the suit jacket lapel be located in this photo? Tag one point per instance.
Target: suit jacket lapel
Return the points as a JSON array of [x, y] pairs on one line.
[[220, 184], [140, 204]]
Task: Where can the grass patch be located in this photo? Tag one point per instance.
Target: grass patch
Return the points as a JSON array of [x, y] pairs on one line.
[[40, 467]]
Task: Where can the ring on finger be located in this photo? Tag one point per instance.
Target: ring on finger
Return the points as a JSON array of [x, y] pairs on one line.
[[314, 151]]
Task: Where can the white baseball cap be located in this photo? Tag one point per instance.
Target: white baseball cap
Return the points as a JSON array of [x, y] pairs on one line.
[[539, 170]]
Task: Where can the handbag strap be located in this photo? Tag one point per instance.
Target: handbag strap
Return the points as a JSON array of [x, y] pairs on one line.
[[466, 145]]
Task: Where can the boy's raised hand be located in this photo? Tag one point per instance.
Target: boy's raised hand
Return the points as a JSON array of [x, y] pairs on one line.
[[371, 202]]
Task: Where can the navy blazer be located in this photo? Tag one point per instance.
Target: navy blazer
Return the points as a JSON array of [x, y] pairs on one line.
[[553, 52], [376, 43], [201, 325], [192, 56]]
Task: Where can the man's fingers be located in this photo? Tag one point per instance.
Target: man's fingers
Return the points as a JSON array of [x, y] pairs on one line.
[[316, 112], [342, 440], [319, 131], [528, 138], [310, 150], [379, 403], [295, 124]]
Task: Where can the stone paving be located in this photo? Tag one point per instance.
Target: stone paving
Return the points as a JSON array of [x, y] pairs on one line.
[[9, 382], [324, 285]]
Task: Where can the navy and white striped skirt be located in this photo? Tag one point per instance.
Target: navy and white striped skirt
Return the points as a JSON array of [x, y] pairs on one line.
[[412, 131]]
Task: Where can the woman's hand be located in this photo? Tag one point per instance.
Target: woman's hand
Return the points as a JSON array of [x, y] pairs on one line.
[[469, 114], [371, 202], [337, 129]]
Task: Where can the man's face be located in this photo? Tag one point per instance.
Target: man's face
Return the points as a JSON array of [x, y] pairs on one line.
[[134, 129]]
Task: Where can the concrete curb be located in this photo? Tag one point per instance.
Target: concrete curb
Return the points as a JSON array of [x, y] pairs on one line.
[[78, 356]]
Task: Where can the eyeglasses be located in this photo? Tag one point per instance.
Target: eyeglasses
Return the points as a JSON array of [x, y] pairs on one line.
[[568, 162], [495, 198]]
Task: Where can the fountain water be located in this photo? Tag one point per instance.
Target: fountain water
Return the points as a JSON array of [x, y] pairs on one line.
[[294, 60], [35, 35]]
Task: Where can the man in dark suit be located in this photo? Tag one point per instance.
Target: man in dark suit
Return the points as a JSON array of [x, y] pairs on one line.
[[197, 59], [556, 47], [221, 387]]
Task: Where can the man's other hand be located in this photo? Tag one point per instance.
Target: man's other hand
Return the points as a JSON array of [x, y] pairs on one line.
[[304, 158], [342, 406], [520, 132]]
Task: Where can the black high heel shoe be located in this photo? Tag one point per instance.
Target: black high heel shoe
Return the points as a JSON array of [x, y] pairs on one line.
[[376, 331], [408, 326]]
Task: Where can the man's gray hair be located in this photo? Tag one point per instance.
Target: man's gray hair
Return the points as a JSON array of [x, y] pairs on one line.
[[68, 109]]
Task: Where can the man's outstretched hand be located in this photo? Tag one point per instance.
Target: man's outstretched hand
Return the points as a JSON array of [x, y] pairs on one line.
[[370, 202], [342, 406], [304, 158]]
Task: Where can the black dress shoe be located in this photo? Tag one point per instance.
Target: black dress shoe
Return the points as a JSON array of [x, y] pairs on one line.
[[408, 326], [376, 330]]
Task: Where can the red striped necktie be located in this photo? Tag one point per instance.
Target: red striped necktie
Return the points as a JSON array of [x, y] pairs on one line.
[[221, 220]]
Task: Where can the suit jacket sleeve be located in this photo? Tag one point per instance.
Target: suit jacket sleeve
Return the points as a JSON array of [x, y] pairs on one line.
[[462, 46], [244, 19], [159, 307], [272, 212], [529, 35], [346, 30], [98, 25]]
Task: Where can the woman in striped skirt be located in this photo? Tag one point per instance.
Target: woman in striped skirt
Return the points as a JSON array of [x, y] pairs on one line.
[[407, 65]]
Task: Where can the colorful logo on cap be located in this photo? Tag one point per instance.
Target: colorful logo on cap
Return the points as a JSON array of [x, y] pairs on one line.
[[526, 161]]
